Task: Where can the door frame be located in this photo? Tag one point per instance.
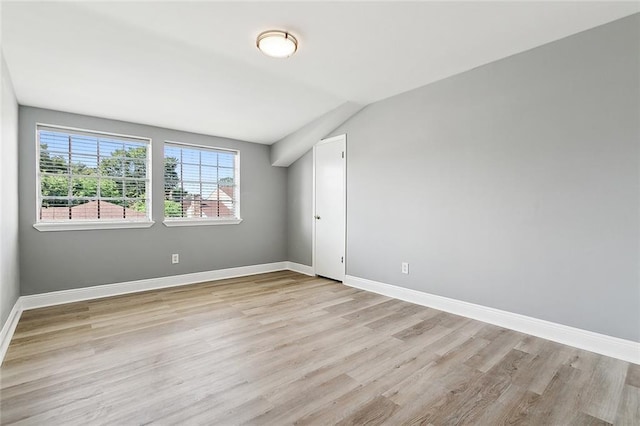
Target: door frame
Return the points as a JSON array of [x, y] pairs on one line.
[[342, 137]]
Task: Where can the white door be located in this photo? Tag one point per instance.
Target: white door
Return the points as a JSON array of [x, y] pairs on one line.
[[330, 207]]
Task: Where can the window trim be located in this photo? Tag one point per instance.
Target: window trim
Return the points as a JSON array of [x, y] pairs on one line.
[[80, 225], [171, 222], [90, 225], [184, 221]]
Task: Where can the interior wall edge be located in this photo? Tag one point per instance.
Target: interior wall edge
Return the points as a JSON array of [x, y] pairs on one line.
[[9, 328]]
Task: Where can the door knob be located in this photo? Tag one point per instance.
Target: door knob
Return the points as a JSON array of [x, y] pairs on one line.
[[318, 217]]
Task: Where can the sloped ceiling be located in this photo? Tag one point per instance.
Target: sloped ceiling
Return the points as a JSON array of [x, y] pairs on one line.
[[194, 66]]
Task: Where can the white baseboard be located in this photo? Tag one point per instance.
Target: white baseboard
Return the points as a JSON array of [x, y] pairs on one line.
[[9, 328], [625, 350], [107, 290], [606, 345], [298, 267]]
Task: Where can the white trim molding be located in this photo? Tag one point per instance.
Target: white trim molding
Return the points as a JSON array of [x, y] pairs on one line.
[[300, 268], [107, 290], [625, 350], [42, 300], [9, 328], [200, 222], [86, 226]]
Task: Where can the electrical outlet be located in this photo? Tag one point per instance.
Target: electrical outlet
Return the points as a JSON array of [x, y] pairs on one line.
[[405, 267], [175, 258]]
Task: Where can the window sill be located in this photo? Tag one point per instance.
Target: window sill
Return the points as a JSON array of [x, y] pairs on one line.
[[85, 226], [200, 222]]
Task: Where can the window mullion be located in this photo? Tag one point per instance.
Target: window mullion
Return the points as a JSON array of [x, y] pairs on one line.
[[70, 181], [218, 184], [182, 183], [200, 179], [98, 177]]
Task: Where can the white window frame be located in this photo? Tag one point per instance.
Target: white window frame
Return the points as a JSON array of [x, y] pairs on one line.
[[80, 224], [194, 221]]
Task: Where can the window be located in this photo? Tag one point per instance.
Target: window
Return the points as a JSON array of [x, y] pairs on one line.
[[201, 185], [89, 180]]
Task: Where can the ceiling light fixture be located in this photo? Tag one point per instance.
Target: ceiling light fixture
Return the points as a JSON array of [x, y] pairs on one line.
[[277, 44]]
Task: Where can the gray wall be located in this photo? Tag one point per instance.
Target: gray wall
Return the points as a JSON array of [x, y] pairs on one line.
[[515, 185], [300, 210], [9, 271], [72, 259]]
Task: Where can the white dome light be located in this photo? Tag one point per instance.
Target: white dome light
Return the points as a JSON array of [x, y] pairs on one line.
[[277, 44]]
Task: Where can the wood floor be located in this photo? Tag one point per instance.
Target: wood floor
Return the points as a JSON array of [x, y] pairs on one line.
[[283, 348]]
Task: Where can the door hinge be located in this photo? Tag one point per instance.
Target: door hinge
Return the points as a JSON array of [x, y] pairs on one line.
[[342, 154], [342, 259]]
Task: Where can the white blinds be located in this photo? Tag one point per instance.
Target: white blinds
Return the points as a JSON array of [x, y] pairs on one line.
[[92, 176], [200, 182]]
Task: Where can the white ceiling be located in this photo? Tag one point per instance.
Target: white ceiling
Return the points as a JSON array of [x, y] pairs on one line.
[[194, 66]]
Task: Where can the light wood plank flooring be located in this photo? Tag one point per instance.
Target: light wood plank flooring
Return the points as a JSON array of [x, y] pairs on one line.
[[283, 348]]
